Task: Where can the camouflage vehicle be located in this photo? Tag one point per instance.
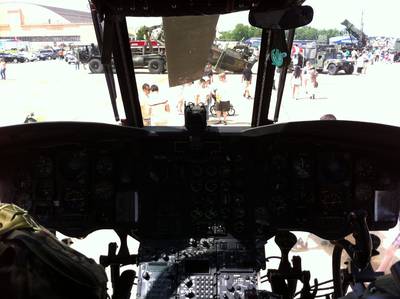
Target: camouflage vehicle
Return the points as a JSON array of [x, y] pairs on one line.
[[329, 59], [227, 60]]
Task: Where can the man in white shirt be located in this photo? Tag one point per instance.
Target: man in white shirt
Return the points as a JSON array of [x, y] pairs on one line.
[[159, 108]]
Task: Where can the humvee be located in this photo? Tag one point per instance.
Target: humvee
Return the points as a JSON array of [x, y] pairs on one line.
[[329, 59]]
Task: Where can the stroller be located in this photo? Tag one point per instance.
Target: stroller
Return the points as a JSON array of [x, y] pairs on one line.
[[213, 111]]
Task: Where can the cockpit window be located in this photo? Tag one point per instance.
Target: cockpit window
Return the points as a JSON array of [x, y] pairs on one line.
[[215, 71], [57, 74]]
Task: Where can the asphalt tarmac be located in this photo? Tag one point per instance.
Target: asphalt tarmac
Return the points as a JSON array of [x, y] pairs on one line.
[[54, 90]]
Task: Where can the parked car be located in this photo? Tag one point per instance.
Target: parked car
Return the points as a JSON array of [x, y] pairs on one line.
[[29, 56], [9, 57], [70, 58], [47, 54]]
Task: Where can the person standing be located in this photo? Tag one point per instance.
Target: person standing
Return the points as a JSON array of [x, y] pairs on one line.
[[246, 78], [365, 62], [296, 81], [306, 76], [389, 255], [3, 67], [203, 94], [144, 104], [222, 103], [159, 107], [313, 81], [77, 63], [360, 64], [208, 71]]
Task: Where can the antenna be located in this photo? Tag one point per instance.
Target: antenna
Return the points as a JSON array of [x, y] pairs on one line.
[[362, 26]]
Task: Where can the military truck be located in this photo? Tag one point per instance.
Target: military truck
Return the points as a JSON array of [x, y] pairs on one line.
[[330, 60], [144, 55]]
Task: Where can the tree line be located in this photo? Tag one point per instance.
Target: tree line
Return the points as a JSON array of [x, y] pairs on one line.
[[243, 32]]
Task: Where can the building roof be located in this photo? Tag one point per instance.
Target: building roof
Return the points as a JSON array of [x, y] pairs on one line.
[[71, 15]]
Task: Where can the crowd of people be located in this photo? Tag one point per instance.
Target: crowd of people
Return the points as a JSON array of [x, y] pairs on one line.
[[305, 78], [212, 91]]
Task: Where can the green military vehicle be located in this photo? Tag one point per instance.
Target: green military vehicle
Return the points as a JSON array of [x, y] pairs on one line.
[[330, 60]]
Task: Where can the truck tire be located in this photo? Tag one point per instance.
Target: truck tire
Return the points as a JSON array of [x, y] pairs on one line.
[[95, 66], [332, 69], [349, 70], [156, 66]]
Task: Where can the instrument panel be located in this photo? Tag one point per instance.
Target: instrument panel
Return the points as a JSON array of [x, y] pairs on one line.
[[167, 184]]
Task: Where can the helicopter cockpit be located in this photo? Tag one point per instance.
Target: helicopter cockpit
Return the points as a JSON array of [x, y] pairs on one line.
[[203, 201]]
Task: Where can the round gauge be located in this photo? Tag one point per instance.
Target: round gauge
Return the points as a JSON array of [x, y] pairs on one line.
[[75, 163], [211, 186], [196, 170], [364, 168], [196, 214], [364, 192], [74, 195], [211, 170], [23, 182], [43, 166], [196, 186], [104, 166], [334, 168], [302, 167], [278, 162], [210, 214], [104, 191], [45, 190], [159, 172]]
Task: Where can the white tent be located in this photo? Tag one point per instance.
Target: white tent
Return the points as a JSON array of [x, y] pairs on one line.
[[340, 40]]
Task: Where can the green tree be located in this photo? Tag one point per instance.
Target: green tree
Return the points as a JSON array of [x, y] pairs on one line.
[[226, 35], [330, 32], [306, 33], [240, 32], [310, 33], [140, 34]]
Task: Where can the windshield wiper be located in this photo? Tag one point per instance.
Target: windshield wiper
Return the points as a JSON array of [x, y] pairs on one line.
[[108, 72]]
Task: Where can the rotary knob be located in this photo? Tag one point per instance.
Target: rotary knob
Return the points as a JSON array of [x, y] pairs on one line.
[[193, 242], [206, 244], [230, 287], [165, 257], [189, 294], [189, 283], [237, 296], [146, 275]]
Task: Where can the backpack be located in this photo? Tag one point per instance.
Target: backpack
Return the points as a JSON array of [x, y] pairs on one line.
[[34, 264]]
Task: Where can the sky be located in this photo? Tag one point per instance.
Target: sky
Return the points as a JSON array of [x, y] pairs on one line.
[[380, 17]]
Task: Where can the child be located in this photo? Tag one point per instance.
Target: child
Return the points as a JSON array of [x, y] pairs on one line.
[[296, 81]]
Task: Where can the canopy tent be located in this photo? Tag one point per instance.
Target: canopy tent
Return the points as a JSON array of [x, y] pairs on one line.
[[341, 40]]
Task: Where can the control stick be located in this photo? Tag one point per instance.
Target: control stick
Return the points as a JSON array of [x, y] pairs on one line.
[[286, 272], [360, 254], [121, 284]]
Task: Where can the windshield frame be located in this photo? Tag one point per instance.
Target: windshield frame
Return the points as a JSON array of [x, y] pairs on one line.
[[114, 39]]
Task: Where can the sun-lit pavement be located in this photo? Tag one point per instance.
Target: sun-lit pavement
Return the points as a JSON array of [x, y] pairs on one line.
[[54, 90]]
